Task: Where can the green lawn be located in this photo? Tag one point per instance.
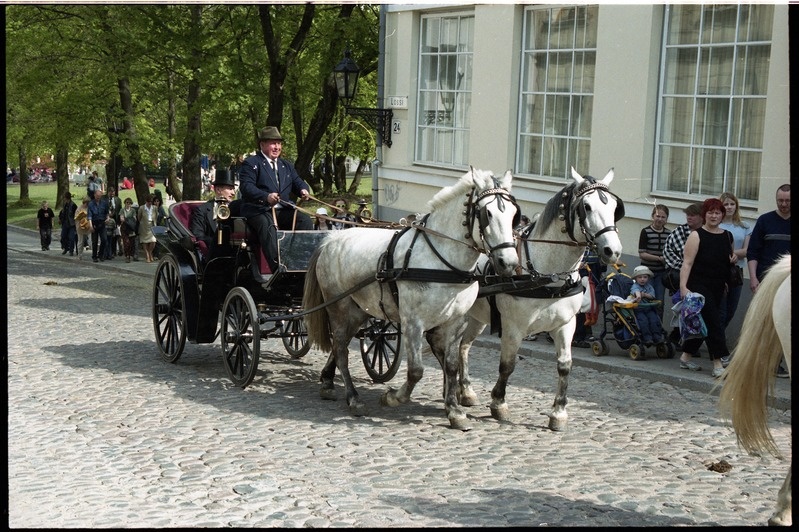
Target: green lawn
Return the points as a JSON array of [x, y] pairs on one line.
[[25, 215]]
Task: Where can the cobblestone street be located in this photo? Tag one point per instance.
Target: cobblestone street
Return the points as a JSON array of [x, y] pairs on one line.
[[103, 433]]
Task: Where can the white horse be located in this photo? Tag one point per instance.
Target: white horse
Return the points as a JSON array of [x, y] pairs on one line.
[[582, 214], [749, 379], [421, 278]]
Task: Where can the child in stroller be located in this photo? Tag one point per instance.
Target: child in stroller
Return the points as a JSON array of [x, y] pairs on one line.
[[646, 314], [632, 318]]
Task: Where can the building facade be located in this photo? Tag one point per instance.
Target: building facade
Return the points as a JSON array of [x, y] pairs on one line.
[[683, 101]]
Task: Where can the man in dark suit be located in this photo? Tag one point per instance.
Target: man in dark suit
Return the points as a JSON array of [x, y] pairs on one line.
[[267, 181], [203, 224]]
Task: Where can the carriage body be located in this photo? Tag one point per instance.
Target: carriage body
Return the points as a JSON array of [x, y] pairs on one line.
[[237, 298]]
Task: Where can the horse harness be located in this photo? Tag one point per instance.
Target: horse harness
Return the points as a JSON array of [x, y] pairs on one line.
[[387, 272], [533, 284]]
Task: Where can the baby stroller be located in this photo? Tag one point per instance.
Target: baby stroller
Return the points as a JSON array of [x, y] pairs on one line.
[[619, 321]]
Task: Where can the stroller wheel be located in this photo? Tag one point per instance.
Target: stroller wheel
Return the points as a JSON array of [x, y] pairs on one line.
[[599, 348], [637, 352], [664, 350]]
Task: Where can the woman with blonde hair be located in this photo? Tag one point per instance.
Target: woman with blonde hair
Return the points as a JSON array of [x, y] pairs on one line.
[[740, 234]]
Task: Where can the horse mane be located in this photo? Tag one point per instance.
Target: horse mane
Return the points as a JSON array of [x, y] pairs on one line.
[[464, 185], [552, 208]]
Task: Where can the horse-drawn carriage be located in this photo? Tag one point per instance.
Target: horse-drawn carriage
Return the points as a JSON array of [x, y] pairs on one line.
[[423, 277], [237, 298]]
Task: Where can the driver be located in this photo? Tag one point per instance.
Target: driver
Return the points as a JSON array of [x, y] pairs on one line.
[[266, 182]]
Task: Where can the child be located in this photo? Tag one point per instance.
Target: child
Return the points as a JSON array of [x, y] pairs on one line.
[[646, 314]]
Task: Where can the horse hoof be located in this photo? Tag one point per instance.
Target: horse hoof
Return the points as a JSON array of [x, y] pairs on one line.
[[557, 424], [328, 394], [780, 520], [390, 398], [500, 413], [460, 423], [358, 410], [468, 399]]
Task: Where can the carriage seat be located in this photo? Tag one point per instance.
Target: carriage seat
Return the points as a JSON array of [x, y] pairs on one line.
[[181, 213]]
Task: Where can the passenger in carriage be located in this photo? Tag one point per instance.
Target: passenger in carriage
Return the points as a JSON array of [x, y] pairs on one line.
[[203, 223], [267, 181]]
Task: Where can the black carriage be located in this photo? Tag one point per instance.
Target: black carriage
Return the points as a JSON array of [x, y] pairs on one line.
[[237, 298]]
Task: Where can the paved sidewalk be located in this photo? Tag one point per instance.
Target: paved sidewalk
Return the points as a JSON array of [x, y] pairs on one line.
[[618, 361]]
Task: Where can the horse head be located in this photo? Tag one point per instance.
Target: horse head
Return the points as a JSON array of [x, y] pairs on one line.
[[494, 209], [597, 211]]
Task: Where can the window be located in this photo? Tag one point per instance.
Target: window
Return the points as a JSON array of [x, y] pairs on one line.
[[557, 90], [445, 84], [714, 77]]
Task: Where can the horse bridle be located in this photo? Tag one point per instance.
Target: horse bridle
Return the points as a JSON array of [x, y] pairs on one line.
[[474, 211], [573, 203]]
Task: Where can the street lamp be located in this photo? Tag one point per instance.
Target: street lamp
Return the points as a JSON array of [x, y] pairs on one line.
[[346, 73]]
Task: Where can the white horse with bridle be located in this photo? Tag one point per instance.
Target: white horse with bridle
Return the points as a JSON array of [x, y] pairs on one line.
[[548, 295], [421, 278], [749, 379]]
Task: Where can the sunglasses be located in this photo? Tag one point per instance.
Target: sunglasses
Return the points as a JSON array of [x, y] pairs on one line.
[[340, 205]]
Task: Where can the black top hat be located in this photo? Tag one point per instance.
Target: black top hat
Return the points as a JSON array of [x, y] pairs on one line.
[[224, 177], [362, 202], [269, 133]]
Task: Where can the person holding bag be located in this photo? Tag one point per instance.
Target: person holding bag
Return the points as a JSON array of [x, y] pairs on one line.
[[705, 270]]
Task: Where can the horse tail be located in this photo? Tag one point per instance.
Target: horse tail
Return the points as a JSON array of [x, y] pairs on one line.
[[749, 379], [317, 323]]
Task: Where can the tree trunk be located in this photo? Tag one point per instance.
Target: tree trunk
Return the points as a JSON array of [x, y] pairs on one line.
[[129, 128], [24, 195], [356, 180], [62, 174], [192, 183], [173, 189]]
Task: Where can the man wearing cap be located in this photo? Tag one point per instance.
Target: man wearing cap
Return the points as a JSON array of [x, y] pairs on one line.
[[267, 181], [203, 224]]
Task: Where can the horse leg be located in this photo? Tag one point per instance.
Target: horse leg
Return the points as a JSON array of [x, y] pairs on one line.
[[507, 363], [412, 347], [468, 397], [440, 340], [558, 418], [327, 390], [783, 516]]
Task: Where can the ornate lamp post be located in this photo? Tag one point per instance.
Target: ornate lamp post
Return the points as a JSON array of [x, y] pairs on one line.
[[346, 73]]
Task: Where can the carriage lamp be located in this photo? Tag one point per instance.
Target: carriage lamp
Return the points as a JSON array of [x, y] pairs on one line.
[[346, 74]]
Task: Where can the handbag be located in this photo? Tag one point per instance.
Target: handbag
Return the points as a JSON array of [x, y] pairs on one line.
[[672, 279], [131, 226], [736, 276]]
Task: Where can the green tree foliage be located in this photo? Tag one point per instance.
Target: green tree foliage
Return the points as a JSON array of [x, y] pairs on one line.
[[137, 84]]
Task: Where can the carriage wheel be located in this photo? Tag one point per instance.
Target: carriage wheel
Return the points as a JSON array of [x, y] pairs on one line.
[[664, 350], [637, 352], [295, 338], [380, 344], [169, 310], [241, 336], [599, 348]]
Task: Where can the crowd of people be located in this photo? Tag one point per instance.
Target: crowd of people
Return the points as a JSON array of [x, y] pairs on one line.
[[103, 224]]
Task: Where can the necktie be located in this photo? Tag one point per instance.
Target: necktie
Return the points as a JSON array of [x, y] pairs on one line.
[[274, 167]]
